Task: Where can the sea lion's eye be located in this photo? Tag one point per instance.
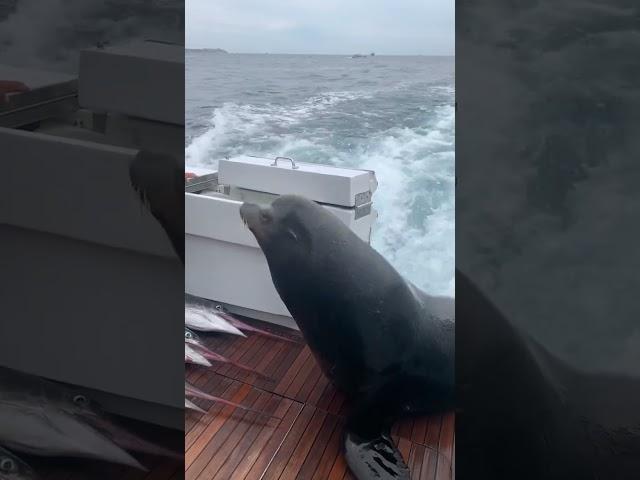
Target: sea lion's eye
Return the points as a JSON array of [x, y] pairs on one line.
[[264, 216], [188, 335], [80, 400], [7, 465]]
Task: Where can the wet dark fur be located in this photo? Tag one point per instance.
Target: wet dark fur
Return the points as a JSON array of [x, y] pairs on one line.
[[388, 346]]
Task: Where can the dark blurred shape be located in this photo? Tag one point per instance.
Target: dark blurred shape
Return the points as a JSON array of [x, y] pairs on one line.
[[13, 468], [547, 337], [91, 282], [524, 413], [158, 179]]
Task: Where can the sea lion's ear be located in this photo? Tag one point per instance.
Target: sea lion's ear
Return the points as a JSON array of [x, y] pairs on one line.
[[296, 230], [292, 234]]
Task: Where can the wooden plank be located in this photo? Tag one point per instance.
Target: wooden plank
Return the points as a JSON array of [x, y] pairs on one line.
[[203, 420], [415, 461], [318, 390], [217, 435], [212, 384], [404, 446], [432, 438], [285, 361], [292, 371], [445, 446], [339, 468], [273, 349], [216, 423], [305, 442], [327, 397], [244, 346], [310, 382], [228, 446], [288, 446], [406, 428], [419, 430], [266, 456], [331, 452], [286, 411], [429, 464], [314, 457], [299, 380]]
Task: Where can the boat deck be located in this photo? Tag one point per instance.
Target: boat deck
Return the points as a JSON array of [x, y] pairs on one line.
[[304, 440]]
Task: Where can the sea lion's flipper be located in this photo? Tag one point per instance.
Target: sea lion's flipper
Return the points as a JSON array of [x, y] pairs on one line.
[[369, 449], [374, 458]]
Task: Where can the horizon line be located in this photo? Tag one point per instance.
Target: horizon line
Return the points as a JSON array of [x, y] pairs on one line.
[[327, 54]]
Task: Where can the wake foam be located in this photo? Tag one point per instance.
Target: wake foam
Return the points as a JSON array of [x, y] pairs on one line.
[[414, 166]]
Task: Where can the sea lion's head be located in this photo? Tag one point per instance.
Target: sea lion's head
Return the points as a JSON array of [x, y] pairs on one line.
[[285, 229], [313, 257]]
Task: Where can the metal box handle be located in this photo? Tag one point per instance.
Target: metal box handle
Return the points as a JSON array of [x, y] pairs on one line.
[[293, 164]]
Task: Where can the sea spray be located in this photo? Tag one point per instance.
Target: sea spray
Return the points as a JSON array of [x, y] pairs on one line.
[[400, 124]]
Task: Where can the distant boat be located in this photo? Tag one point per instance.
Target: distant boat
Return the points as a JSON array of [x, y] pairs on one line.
[[359, 55]]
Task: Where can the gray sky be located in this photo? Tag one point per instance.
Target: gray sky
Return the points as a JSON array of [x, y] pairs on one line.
[[407, 27]]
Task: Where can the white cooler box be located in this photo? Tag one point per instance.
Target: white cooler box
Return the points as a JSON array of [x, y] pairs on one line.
[[223, 260]]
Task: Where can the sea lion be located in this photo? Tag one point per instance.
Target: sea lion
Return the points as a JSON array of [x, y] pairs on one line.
[[157, 180], [384, 343], [524, 413]]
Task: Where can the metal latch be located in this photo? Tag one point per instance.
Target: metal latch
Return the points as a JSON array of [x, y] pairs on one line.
[[363, 210], [362, 198]]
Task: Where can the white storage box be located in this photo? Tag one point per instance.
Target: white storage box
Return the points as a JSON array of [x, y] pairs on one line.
[[223, 260], [137, 79], [322, 183]]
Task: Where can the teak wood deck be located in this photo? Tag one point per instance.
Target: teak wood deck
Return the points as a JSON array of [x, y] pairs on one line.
[[304, 440]]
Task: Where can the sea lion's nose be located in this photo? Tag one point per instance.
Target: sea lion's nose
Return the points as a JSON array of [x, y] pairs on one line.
[[249, 213]]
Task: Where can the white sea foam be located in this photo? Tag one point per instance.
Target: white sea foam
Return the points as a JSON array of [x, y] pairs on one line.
[[405, 162], [414, 166]]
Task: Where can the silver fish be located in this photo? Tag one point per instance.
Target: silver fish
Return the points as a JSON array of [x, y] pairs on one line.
[[239, 324], [192, 406], [192, 356], [191, 337], [208, 320], [191, 391], [43, 418], [12, 468], [216, 357]]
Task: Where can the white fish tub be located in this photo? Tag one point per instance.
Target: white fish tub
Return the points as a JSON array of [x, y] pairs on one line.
[[223, 260]]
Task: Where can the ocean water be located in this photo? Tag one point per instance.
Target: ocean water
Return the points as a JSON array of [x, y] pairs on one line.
[[550, 231], [49, 34], [394, 115]]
